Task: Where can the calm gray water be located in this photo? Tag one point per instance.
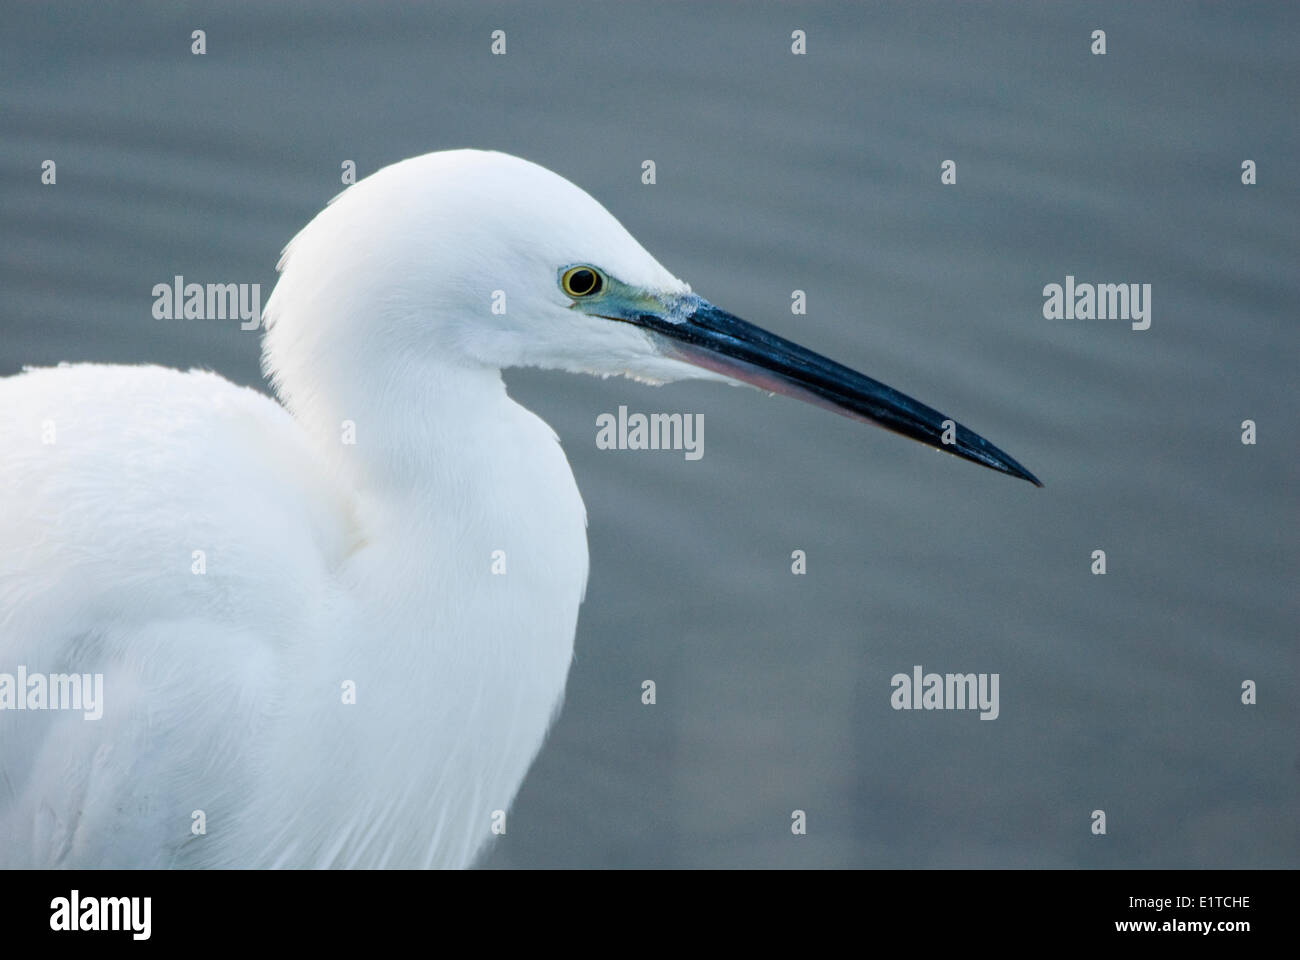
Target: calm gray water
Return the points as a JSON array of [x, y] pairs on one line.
[[820, 172]]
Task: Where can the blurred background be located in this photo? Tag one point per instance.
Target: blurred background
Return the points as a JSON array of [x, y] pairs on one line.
[[820, 172]]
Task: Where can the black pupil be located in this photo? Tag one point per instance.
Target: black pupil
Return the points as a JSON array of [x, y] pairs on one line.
[[582, 282]]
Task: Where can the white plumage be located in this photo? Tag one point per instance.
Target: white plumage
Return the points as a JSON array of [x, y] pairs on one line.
[[325, 562], [235, 568]]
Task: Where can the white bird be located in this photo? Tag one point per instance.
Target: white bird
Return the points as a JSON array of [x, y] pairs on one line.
[[239, 573]]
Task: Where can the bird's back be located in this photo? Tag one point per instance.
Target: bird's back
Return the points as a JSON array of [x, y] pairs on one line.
[[298, 669], [136, 504]]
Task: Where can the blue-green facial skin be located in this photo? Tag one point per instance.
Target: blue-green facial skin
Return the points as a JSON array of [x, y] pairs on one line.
[[616, 300]]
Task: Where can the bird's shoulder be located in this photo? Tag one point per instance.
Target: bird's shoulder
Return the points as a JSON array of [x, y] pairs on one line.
[[171, 533], [186, 489]]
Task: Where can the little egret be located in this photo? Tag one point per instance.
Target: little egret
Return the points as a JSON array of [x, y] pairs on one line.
[[308, 655]]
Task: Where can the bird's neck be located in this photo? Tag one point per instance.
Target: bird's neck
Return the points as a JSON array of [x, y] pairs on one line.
[[455, 618], [404, 433]]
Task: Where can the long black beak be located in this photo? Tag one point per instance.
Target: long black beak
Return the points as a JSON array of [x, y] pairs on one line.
[[700, 333]]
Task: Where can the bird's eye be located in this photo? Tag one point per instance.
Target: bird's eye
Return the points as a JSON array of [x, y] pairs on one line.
[[581, 281]]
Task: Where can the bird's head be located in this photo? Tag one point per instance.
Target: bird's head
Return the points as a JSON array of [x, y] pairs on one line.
[[475, 259]]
